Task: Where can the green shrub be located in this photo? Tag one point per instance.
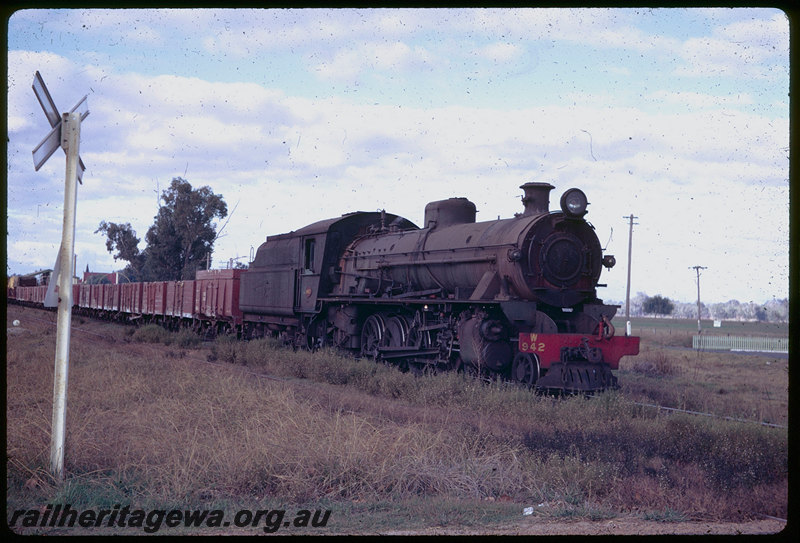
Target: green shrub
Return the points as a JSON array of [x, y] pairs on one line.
[[186, 338], [225, 349], [152, 333]]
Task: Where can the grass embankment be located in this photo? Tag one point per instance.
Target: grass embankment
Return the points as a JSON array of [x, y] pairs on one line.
[[159, 427]]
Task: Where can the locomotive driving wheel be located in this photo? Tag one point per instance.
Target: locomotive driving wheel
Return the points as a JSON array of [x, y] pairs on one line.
[[525, 368], [396, 332], [315, 333], [372, 334]]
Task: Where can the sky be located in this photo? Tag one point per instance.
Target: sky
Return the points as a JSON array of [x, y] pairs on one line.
[[677, 116]]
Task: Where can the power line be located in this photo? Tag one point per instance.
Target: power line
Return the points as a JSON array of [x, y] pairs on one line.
[[697, 269], [628, 288]]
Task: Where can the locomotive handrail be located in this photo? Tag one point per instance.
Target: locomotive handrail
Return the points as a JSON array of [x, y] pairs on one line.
[[418, 293], [449, 250], [384, 264]]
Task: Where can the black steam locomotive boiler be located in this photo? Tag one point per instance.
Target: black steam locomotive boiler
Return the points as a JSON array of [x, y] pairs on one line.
[[514, 298]]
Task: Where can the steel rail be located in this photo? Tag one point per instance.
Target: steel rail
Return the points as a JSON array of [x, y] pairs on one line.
[[700, 413]]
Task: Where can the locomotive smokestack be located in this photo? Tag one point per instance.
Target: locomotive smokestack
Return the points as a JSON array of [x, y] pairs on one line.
[[537, 198]]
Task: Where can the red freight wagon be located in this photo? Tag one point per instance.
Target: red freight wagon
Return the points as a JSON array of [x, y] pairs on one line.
[[96, 297], [187, 300], [111, 297], [153, 298], [84, 292], [180, 299], [39, 293], [26, 294], [217, 295], [130, 298], [169, 306], [76, 292]]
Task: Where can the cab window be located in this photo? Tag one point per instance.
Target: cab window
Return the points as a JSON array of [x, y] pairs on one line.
[[308, 259]]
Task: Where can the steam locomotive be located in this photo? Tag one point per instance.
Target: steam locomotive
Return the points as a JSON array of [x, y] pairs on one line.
[[513, 298]]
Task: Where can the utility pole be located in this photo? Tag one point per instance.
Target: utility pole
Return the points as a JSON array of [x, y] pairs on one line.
[[697, 269], [65, 133], [628, 289]]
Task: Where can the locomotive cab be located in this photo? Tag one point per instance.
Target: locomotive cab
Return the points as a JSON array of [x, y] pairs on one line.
[[291, 272]]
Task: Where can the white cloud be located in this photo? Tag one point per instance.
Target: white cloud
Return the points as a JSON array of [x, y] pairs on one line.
[[345, 64], [636, 40], [696, 99], [500, 52], [350, 62], [771, 35], [746, 49]]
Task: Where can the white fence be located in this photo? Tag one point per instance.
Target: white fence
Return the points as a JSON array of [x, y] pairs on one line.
[[742, 343]]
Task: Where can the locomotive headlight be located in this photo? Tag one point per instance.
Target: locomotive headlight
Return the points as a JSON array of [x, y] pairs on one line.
[[573, 203]]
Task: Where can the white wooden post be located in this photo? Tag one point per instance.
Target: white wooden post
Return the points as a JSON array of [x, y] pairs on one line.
[[70, 137], [65, 133]]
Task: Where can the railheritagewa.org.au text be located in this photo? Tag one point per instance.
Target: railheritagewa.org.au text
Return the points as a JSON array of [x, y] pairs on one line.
[[65, 516]]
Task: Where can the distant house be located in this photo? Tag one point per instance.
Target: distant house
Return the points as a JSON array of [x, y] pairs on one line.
[[95, 278]]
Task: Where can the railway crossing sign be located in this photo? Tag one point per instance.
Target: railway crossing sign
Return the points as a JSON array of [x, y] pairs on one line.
[[65, 133], [54, 139]]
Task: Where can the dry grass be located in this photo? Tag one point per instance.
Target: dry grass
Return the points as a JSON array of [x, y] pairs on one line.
[[747, 386], [172, 430], [145, 427]]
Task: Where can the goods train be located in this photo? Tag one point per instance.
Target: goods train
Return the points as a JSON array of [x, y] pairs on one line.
[[512, 298]]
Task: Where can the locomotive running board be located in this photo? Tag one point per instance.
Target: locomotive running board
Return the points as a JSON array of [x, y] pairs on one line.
[[400, 352]]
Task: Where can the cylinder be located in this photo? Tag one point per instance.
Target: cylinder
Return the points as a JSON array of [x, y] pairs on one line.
[[484, 343]]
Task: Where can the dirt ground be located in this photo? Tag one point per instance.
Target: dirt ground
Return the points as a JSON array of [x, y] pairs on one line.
[[617, 526], [31, 321]]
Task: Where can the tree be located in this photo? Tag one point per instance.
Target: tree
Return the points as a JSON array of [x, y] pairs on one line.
[[179, 240], [657, 305], [777, 310], [122, 239]]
